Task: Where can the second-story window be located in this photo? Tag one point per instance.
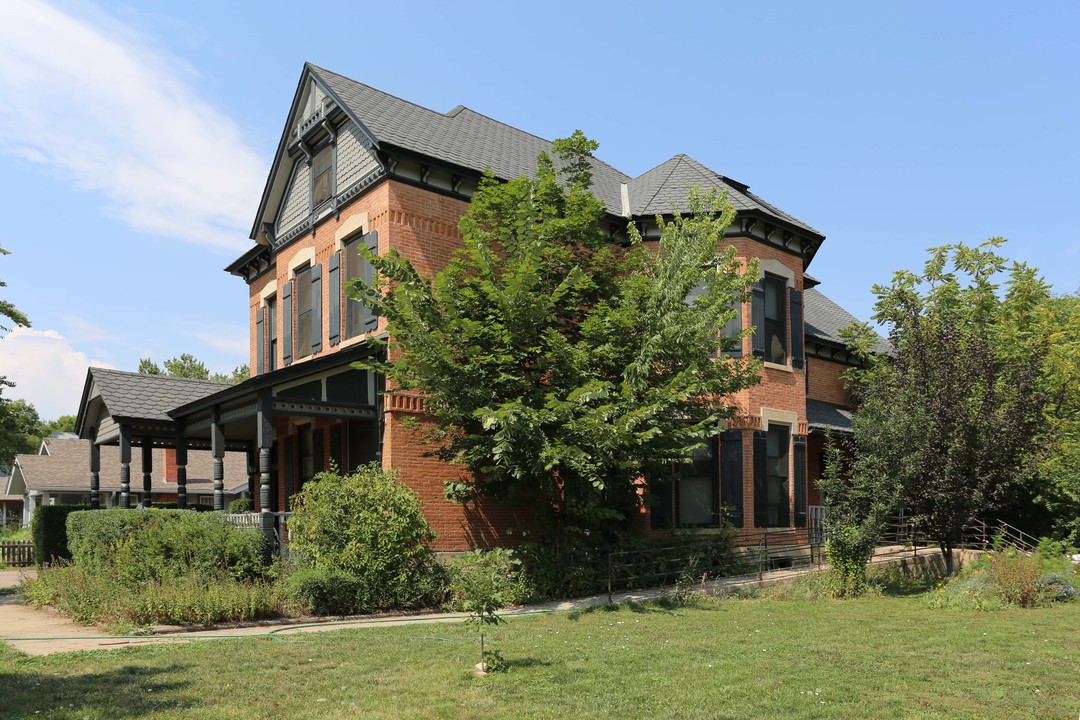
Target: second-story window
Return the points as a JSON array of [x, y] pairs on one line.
[[303, 311], [322, 180], [775, 320], [359, 318]]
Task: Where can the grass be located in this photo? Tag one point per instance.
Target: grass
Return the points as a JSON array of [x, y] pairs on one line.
[[874, 657]]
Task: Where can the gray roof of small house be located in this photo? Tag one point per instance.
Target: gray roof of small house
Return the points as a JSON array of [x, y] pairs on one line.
[[136, 395], [65, 464], [471, 140], [821, 415]]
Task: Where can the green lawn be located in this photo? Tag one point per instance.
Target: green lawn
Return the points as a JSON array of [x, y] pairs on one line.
[[870, 658]]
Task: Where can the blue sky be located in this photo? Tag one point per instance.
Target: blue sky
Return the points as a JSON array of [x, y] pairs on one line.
[[135, 137]]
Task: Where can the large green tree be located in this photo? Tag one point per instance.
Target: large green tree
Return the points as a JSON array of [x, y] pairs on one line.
[[21, 430], [13, 316], [954, 416], [563, 367], [188, 366], [1050, 499]]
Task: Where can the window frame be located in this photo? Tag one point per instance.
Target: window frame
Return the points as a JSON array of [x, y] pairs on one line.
[[326, 151], [270, 323], [775, 328], [783, 435], [304, 315]]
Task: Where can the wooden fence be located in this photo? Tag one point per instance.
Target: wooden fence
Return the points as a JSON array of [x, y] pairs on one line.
[[19, 553]]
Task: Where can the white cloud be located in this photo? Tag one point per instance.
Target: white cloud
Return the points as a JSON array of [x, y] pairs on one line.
[[47, 371], [230, 339], [92, 100]]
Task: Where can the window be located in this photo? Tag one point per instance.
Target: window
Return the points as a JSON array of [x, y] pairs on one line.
[[354, 268], [322, 167], [776, 478], [697, 488], [306, 467], [271, 334], [303, 311], [775, 320], [731, 328], [689, 498], [359, 318]]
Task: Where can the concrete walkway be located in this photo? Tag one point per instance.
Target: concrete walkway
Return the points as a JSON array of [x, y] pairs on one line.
[[43, 631]]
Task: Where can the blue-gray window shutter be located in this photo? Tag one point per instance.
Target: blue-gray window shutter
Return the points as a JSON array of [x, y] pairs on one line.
[[761, 481], [260, 342], [800, 480], [371, 319], [334, 271], [797, 352], [316, 308], [757, 318], [731, 476], [287, 320]]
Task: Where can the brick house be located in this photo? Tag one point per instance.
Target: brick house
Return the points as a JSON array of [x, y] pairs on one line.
[[359, 166]]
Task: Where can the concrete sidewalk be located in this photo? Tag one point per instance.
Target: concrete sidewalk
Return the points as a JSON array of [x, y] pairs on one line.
[[43, 631]]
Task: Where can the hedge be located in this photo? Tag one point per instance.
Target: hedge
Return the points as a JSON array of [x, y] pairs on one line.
[[151, 545], [48, 529]]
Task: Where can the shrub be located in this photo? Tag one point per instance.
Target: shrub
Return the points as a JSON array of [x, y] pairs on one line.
[[849, 550], [494, 574], [1017, 577], [240, 505], [1009, 577], [48, 528], [155, 545], [104, 599], [324, 591], [369, 526]]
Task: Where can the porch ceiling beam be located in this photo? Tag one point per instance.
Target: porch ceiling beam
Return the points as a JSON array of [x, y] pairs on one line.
[[322, 409]]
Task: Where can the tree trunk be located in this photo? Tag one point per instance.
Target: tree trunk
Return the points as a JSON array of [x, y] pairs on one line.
[[947, 553]]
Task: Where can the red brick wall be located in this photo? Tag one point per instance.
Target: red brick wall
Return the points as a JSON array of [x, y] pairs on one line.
[[825, 383]]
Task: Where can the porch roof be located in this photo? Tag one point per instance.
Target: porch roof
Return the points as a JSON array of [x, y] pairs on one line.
[[114, 397], [821, 416]]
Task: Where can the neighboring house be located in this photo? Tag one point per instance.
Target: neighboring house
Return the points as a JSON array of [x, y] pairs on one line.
[[357, 166], [10, 505], [57, 476]]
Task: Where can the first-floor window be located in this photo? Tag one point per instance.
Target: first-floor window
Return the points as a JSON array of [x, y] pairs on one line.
[[689, 497], [776, 477], [697, 488]]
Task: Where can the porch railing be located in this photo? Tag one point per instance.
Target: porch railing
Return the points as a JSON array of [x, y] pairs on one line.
[[281, 536]]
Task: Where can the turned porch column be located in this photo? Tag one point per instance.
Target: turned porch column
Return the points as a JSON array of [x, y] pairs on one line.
[[125, 466], [95, 470], [217, 448], [265, 441], [147, 472], [181, 471]]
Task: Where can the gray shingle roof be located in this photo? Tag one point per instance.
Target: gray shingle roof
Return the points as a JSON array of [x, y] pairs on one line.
[[462, 136], [135, 395], [821, 415], [665, 186], [471, 140], [68, 466], [825, 319]]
